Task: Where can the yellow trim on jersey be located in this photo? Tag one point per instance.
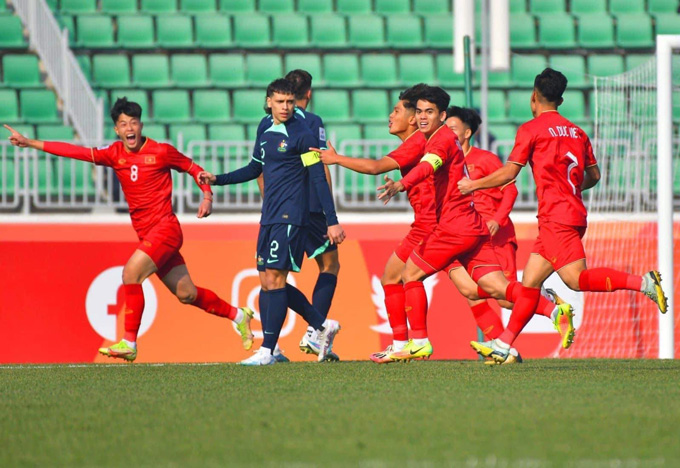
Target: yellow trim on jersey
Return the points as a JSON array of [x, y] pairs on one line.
[[310, 158], [519, 164], [92, 154], [432, 159], [509, 183]]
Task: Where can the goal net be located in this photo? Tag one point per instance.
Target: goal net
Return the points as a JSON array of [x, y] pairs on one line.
[[623, 228]]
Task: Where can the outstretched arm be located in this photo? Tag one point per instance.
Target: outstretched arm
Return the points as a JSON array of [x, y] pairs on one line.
[[362, 165], [498, 178], [59, 149], [244, 174]]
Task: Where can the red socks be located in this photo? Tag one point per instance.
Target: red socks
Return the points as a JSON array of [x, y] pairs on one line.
[[545, 307], [487, 320], [134, 306], [483, 294], [396, 312], [607, 280], [416, 308], [524, 309], [211, 303]]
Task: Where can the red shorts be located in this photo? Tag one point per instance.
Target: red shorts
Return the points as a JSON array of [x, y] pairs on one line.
[[506, 256], [411, 241], [441, 248], [559, 244], [162, 244]]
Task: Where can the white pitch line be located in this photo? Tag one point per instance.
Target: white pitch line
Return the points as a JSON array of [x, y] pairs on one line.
[[112, 365]]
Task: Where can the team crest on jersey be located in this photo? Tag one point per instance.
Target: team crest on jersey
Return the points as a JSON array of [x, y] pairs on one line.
[[322, 133], [283, 146], [471, 167], [149, 159], [260, 260], [121, 161]]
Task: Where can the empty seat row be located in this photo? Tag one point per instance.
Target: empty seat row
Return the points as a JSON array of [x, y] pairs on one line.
[[47, 132], [335, 70], [252, 31], [34, 106], [21, 71], [11, 32]]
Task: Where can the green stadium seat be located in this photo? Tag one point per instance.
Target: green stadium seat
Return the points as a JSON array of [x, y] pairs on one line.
[[496, 105], [392, 7], [116, 7], [557, 31], [580, 7], [111, 70], [605, 65], [431, 7], [341, 70], [136, 32], [156, 132], [39, 106], [211, 106], [379, 70], [503, 132], [332, 105], [438, 31], [519, 110], [458, 98], [416, 68], [85, 65], [663, 6], [354, 7], [53, 4], [276, 7], [248, 105], [617, 7], [337, 133], [574, 106], [150, 71], [189, 70], [635, 60], [26, 130], [251, 131], [227, 70], [290, 31], [159, 6], [366, 31], [308, 62], [95, 32], [134, 95], [370, 105], [315, 7], [171, 106], [237, 6], [525, 68], [404, 32], [21, 71], [3, 7], [226, 132], [9, 106], [522, 31], [174, 31], [213, 31], [378, 131], [190, 132], [573, 67], [518, 6], [261, 69], [634, 30], [78, 7], [668, 23], [499, 79], [445, 74], [11, 32], [65, 22], [596, 31], [541, 7], [328, 31], [198, 6], [251, 31], [55, 133]]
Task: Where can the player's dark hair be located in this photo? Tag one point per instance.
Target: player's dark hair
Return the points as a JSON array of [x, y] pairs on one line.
[[551, 84], [302, 82], [410, 95], [436, 96], [123, 106], [468, 116], [281, 86]]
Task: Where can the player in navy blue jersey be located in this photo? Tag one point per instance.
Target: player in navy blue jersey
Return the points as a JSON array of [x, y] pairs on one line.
[[282, 155]]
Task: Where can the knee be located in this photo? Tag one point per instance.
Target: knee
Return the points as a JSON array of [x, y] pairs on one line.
[[505, 304], [572, 283], [186, 295], [468, 292], [332, 268], [131, 277], [408, 277], [390, 279]]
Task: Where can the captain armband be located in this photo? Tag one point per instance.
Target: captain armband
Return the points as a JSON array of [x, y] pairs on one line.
[[433, 160], [310, 158]]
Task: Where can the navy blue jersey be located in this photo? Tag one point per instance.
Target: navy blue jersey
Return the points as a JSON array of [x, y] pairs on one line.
[[315, 124], [281, 153]]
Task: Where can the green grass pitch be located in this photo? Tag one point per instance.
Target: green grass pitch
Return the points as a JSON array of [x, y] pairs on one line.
[[542, 413]]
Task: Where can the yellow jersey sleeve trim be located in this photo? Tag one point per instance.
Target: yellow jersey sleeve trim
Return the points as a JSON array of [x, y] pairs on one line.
[[519, 164], [509, 183], [310, 158], [432, 159], [592, 165], [92, 155]]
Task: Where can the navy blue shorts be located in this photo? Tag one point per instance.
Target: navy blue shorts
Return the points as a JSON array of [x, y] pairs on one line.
[[281, 247], [317, 242]]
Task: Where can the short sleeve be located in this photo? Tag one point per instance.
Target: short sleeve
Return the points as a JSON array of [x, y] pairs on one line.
[[103, 155], [176, 160], [407, 154], [523, 149], [441, 147], [590, 157], [305, 142]]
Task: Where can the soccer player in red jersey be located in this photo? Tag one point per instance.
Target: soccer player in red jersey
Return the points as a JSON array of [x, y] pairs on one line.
[[402, 123], [563, 164], [143, 169]]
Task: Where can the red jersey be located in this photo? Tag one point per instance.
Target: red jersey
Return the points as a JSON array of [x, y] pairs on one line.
[[494, 203], [444, 157], [421, 195], [144, 176], [559, 152]]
